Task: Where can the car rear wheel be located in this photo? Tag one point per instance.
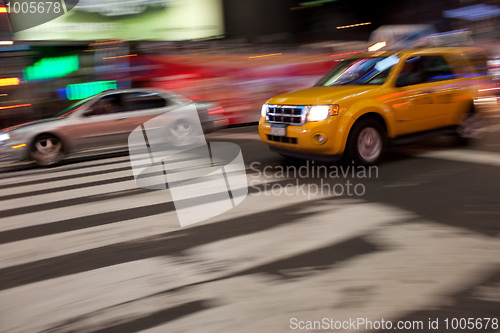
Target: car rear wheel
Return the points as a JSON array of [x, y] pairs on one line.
[[47, 150], [470, 128], [366, 142]]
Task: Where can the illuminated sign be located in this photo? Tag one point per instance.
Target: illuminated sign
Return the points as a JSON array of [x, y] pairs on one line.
[[51, 68], [11, 81], [165, 20], [84, 90]]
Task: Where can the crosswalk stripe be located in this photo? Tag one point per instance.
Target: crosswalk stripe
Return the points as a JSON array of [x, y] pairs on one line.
[[364, 287], [67, 181], [67, 184], [100, 286], [401, 264], [87, 236], [40, 248], [30, 216], [63, 171], [38, 180], [45, 199], [103, 206], [9, 212], [142, 259]]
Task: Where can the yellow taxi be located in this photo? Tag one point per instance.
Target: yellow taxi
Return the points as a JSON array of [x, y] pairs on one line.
[[375, 99]]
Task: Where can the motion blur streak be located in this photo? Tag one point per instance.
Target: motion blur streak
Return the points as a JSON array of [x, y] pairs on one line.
[[107, 43], [14, 81], [377, 46], [123, 56], [265, 55], [353, 25], [13, 106]]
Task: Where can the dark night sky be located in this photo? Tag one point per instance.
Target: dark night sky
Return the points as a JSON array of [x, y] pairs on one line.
[[273, 20]]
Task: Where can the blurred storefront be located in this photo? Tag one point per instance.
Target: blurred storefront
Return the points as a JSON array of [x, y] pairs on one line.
[[240, 83]]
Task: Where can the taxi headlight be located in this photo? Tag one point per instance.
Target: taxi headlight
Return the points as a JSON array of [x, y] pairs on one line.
[[263, 110], [321, 112]]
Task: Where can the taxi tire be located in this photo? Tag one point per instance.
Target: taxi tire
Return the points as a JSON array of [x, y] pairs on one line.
[[469, 130], [373, 129]]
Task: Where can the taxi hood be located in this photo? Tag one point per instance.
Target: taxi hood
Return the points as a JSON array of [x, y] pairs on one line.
[[321, 95]]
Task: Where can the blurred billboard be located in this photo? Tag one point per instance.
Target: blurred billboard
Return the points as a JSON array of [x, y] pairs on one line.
[[160, 20]]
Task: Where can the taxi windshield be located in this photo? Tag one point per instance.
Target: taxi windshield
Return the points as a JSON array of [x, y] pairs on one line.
[[359, 71]]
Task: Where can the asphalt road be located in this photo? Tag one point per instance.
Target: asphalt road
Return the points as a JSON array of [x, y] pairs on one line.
[[413, 242]]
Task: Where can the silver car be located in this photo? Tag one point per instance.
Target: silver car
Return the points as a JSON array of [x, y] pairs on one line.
[[100, 124]]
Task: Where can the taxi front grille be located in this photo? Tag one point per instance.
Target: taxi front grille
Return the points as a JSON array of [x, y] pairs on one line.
[[286, 114], [284, 139]]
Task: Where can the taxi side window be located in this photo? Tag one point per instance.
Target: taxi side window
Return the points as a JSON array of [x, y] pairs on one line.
[[411, 73], [436, 69], [423, 69]]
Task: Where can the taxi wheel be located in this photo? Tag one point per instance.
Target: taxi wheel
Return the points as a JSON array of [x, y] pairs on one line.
[[366, 142], [470, 129], [47, 150]]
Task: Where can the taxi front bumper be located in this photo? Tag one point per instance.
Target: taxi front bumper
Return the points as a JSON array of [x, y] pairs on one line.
[[316, 140]]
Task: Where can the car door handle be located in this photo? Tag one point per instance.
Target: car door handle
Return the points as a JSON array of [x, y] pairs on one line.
[[121, 118]]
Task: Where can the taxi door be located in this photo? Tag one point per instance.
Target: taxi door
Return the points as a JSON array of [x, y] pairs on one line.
[[416, 106]]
